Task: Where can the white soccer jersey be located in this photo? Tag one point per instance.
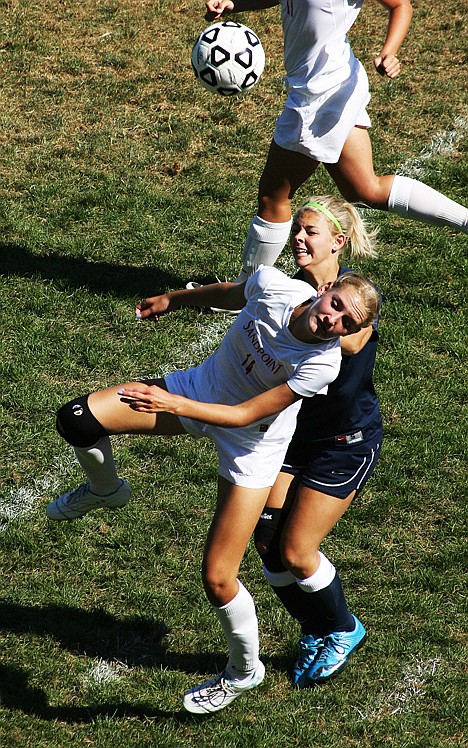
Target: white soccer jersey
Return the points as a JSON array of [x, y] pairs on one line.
[[328, 86], [317, 54], [258, 353]]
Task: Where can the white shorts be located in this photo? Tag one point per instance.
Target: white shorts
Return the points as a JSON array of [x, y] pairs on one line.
[[250, 456], [318, 125]]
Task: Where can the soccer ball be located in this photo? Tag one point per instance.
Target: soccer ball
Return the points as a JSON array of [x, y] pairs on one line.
[[228, 58]]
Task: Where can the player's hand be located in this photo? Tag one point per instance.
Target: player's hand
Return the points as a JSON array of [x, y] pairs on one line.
[[147, 399], [153, 307], [388, 65], [217, 8]]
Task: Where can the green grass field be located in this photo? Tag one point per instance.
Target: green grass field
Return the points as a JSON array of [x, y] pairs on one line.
[[120, 177]]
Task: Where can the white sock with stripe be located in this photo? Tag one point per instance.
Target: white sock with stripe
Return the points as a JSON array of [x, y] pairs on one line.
[[412, 199], [264, 243]]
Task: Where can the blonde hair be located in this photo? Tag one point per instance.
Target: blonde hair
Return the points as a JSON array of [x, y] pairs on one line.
[[367, 291], [360, 238]]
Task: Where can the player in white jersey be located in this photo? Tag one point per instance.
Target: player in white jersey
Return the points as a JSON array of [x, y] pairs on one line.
[[283, 346], [325, 121]]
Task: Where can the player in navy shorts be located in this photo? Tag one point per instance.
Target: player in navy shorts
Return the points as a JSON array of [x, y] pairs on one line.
[[331, 456], [283, 346]]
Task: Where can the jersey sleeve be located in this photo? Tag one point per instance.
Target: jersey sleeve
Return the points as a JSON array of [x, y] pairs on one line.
[[316, 374], [270, 283]]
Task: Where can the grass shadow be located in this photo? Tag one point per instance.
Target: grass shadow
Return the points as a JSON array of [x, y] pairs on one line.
[[98, 277], [95, 633], [17, 695], [136, 641]]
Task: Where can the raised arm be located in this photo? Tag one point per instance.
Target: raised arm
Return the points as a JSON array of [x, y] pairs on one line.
[[399, 20], [153, 399], [222, 295], [217, 8]]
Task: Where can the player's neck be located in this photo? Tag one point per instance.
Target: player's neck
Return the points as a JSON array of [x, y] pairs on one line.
[[323, 273]]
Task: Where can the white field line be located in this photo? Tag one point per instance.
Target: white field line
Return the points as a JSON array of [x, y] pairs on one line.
[[19, 502], [406, 693], [102, 673], [207, 337], [443, 144]]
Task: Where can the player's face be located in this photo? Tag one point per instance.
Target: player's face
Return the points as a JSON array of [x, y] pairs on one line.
[[311, 239], [339, 312]]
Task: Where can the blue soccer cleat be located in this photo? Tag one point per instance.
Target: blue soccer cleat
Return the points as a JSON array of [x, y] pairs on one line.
[[335, 653], [310, 647]]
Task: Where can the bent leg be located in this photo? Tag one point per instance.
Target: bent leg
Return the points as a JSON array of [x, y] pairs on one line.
[[268, 533], [284, 172], [86, 423], [325, 656], [237, 512], [310, 520], [354, 173], [108, 411], [293, 564], [117, 416], [355, 178], [235, 517]]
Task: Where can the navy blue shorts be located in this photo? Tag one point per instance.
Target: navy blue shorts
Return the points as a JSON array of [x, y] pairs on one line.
[[334, 470]]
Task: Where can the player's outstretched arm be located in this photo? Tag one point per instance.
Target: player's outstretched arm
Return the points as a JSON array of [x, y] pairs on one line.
[[221, 295], [152, 399], [215, 9], [400, 14]]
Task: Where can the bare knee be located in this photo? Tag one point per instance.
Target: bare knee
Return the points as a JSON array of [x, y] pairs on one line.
[[373, 192], [220, 586], [302, 563], [275, 207]]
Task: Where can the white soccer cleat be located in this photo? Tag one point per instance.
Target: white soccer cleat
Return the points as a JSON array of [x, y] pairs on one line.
[[82, 500], [218, 692], [193, 284], [225, 311]]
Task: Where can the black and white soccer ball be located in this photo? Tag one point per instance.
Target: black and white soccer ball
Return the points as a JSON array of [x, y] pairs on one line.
[[228, 58]]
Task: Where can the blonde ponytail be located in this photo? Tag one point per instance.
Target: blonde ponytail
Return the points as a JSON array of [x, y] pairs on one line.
[[361, 239]]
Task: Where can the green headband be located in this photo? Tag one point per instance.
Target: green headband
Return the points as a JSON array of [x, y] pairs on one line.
[[326, 212]]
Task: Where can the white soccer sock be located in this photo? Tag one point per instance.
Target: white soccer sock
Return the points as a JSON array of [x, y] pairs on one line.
[[412, 199], [321, 578], [279, 578], [264, 243], [239, 622], [98, 464]]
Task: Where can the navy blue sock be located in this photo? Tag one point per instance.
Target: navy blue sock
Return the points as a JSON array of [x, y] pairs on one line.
[[331, 603], [303, 607]]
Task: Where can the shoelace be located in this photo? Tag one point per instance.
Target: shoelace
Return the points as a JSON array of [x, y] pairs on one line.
[[213, 688], [333, 641], [308, 651], [76, 495]]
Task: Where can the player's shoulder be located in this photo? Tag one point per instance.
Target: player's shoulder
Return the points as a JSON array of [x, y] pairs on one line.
[[269, 280]]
